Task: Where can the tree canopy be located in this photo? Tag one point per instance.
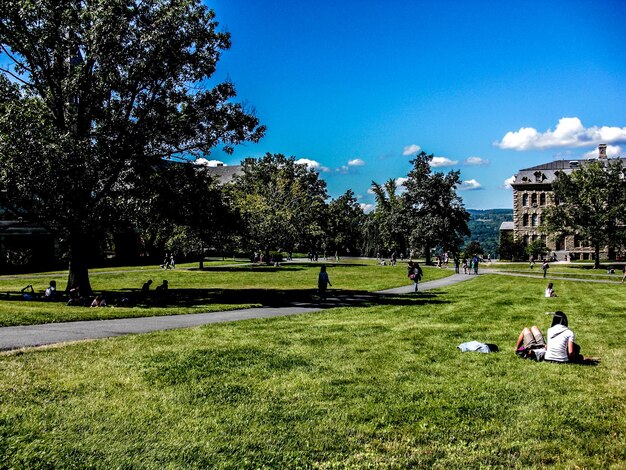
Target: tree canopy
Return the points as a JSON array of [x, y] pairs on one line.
[[436, 215], [590, 204], [95, 95], [344, 224], [281, 202]]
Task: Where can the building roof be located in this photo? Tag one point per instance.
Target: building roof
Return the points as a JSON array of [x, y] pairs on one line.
[[546, 172], [504, 226], [225, 173]]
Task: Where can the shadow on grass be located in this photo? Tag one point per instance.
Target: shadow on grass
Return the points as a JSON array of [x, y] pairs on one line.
[[288, 297], [187, 298], [293, 266]]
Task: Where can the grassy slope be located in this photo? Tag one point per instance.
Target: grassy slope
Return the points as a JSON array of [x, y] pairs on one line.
[[363, 387], [217, 288]]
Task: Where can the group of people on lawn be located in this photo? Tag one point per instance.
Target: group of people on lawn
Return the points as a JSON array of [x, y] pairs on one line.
[[75, 298]]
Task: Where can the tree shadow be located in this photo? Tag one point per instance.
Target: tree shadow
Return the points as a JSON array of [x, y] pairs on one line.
[[177, 298], [308, 298]]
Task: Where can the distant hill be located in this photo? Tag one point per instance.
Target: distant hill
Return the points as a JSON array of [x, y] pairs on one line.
[[484, 226]]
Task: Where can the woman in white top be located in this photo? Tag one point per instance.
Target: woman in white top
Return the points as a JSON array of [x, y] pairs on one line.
[[550, 291], [560, 341]]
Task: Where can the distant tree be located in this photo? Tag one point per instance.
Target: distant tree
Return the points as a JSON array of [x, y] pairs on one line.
[[472, 249], [536, 249], [435, 213], [94, 95], [509, 248], [389, 218], [345, 224], [590, 204], [282, 203]]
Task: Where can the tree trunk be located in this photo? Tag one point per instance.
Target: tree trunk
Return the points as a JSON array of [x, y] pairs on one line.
[[427, 255], [78, 269], [596, 261]]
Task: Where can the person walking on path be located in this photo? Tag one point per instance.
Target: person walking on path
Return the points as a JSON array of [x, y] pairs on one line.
[[624, 276], [545, 266], [416, 275], [475, 261], [456, 264], [323, 282]]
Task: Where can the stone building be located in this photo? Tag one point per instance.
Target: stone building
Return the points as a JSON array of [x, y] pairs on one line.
[[532, 194]]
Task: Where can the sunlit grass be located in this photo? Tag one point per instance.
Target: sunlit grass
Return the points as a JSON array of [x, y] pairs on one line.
[[362, 387]]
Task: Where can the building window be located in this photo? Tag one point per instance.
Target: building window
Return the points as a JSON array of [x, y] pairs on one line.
[[526, 240], [525, 220], [525, 199], [534, 237], [534, 220], [542, 199], [533, 199], [538, 176]]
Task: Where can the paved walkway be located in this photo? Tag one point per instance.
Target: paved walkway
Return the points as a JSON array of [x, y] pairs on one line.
[[16, 337]]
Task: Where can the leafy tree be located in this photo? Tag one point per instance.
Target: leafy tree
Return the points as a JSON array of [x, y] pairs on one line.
[[97, 93], [591, 203], [435, 213], [190, 212], [472, 249], [281, 202], [536, 249], [509, 248], [389, 218], [345, 224]]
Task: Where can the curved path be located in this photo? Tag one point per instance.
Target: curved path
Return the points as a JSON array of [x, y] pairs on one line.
[[17, 337]]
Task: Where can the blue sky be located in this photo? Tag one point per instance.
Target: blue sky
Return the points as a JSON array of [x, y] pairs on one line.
[[354, 87]]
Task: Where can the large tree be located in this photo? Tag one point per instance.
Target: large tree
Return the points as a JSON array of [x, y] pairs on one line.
[[388, 223], [190, 213], [590, 203], [436, 214], [282, 203], [96, 94], [345, 224]]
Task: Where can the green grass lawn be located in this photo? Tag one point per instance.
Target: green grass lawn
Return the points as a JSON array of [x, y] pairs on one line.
[[220, 286], [379, 386], [580, 270]]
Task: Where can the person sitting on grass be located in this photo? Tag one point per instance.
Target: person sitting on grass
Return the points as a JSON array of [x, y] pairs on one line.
[[560, 346], [51, 291], [99, 302], [162, 291], [75, 300], [550, 290]]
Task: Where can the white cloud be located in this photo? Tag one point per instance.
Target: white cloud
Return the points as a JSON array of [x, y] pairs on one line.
[[205, 162], [370, 191], [470, 185], [343, 169], [411, 149], [356, 162], [400, 183], [310, 163], [367, 208], [569, 132], [476, 161], [442, 161], [508, 182], [611, 151]]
